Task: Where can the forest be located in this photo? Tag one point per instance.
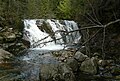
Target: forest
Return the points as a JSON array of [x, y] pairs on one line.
[[98, 22]]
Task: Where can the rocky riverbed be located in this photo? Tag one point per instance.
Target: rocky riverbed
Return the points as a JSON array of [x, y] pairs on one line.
[[36, 65], [10, 40], [18, 63]]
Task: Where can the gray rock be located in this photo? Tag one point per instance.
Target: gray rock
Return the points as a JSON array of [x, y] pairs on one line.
[[49, 71], [9, 37], [66, 72], [56, 72], [89, 66], [80, 56], [72, 63]]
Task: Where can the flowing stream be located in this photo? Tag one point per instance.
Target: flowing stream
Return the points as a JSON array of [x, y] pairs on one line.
[[44, 36], [49, 32]]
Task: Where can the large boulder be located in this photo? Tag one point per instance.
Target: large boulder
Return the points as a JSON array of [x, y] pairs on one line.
[[66, 72], [80, 56], [56, 72], [72, 63], [49, 72], [89, 66]]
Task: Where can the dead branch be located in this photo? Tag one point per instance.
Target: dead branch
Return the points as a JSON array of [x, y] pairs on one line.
[[112, 22], [96, 26], [103, 43], [91, 37], [93, 10], [101, 27]]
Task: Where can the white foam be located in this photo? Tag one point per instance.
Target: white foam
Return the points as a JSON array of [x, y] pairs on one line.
[[33, 34], [51, 47]]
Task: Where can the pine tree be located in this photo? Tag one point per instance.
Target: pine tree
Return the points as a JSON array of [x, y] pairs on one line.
[[64, 9]]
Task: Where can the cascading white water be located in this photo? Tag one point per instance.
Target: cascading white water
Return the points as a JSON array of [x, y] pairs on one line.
[[49, 32]]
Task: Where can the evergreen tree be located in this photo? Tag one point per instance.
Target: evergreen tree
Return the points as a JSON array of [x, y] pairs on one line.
[[64, 9], [46, 9], [32, 9]]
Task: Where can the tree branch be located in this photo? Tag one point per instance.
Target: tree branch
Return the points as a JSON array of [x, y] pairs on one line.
[[96, 26], [112, 22]]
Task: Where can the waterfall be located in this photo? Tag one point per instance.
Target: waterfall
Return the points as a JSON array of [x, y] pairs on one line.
[[49, 32]]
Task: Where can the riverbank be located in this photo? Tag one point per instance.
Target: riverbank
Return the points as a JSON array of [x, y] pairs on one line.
[[35, 65]]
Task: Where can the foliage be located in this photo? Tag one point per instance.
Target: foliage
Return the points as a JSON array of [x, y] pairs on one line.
[[46, 9], [89, 11], [85, 12], [64, 9], [79, 8], [12, 12]]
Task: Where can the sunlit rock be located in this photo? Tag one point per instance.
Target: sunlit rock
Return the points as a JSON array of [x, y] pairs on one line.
[[8, 35], [105, 63], [80, 56]]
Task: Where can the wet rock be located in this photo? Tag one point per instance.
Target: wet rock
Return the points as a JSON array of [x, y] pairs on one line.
[[89, 66], [4, 55], [66, 72], [80, 56], [49, 72], [72, 63], [56, 72], [26, 43]]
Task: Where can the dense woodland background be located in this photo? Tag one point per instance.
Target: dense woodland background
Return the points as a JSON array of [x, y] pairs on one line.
[[94, 11], [98, 20]]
